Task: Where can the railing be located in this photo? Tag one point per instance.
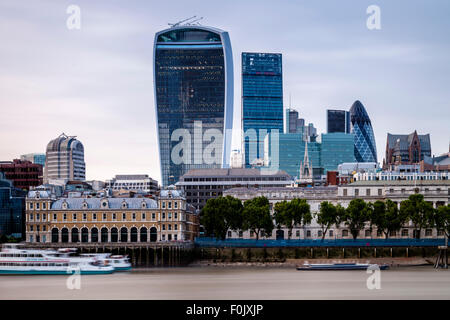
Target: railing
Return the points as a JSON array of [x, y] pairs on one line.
[[248, 243]]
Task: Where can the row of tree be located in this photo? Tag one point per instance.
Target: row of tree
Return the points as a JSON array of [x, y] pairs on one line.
[[228, 213]]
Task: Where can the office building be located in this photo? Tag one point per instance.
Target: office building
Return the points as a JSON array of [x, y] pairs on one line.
[[12, 208], [37, 158], [361, 127], [338, 121], [64, 160], [406, 149], [23, 174], [262, 101], [337, 148], [133, 182], [193, 81]]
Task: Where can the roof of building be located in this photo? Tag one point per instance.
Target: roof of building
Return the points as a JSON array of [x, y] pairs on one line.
[[400, 183], [172, 193], [64, 143], [403, 141], [234, 172], [113, 203]]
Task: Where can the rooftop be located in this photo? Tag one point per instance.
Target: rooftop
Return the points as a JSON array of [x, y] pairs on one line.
[[401, 183], [235, 172]]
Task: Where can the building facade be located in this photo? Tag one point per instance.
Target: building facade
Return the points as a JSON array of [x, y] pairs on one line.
[[338, 121], [65, 160], [405, 149], [200, 185], [133, 182], [361, 127], [12, 209], [103, 220], [193, 77], [262, 101], [435, 192], [337, 148], [37, 158], [24, 174]]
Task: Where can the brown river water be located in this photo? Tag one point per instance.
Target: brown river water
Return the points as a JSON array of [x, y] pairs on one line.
[[232, 283]]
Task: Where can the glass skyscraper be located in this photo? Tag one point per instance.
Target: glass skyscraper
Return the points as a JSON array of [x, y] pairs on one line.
[[337, 148], [262, 101], [193, 77], [365, 148], [338, 121]]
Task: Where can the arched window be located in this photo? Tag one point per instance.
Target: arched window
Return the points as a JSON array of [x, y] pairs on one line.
[[133, 234], [75, 237], [114, 235], [144, 234], [64, 235], [123, 234], [104, 235], [94, 235], [153, 234], [84, 235], [55, 235]]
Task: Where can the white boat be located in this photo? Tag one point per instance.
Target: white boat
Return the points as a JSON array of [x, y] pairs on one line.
[[16, 260], [118, 262]]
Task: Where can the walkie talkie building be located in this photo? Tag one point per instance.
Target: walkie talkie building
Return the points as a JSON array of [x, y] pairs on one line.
[[193, 80]]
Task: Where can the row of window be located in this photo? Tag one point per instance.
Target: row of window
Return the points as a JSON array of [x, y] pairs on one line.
[[84, 216], [34, 264], [236, 179], [391, 190]]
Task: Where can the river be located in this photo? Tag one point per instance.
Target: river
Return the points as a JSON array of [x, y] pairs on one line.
[[232, 283]]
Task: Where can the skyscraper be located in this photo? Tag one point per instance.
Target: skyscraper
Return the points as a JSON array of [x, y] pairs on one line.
[[338, 121], [64, 159], [262, 101], [193, 77], [361, 127]]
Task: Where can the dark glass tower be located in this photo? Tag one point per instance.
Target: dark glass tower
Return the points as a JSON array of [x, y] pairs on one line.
[[365, 148], [193, 76], [338, 121], [262, 100]]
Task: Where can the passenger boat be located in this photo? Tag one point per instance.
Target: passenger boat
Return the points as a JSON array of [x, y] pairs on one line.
[[118, 262], [15, 260], [340, 266]]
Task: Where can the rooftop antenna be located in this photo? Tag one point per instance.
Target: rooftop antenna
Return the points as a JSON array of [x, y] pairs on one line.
[[185, 21]]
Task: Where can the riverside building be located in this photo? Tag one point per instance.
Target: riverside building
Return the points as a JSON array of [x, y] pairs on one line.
[[133, 182], [94, 220]]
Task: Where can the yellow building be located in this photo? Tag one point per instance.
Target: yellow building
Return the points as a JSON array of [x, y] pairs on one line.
[[93, 220]]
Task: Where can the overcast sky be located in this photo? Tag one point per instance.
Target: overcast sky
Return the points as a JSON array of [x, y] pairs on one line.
[[97, 83]]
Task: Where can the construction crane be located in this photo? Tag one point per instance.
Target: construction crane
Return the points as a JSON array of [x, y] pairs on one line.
[[186, 22]]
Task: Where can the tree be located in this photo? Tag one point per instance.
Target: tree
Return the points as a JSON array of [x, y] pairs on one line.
[[288, 214], [283, 216], [256, 216], [442, 220], [222, 214], [418, 211], [386, 217], [326, 217], [356, 216]]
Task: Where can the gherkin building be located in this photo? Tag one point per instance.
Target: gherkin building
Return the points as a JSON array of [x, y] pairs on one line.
[[365, 147]]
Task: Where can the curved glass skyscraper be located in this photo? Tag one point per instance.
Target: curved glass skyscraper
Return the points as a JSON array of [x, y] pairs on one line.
[[365, 148], [193, 77]]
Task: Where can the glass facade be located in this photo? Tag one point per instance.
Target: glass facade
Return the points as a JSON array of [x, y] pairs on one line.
[[193, 86], [365, 148], [338, 121], [337, 148], [262, 100], [12, 209]]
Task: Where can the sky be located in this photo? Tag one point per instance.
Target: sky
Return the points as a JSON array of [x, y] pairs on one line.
[[97, 82]]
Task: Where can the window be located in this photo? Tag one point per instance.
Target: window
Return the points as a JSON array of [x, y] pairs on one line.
[[345, 192], [175, 205], [124, 216], [393, 233], [31, 203], [368, 233], [344, 233], [175, 226], [380, 192], [175, 215], [169, 205], [31, 228], [330, 233], [94, 216], [440, 233], [164, 227], [297, 233], [37, 206], [55, 217], [405, 233], [44, 206], [367, 192], [252, 234], [134, 216], [319, 234], [356, 192], [169, 215], [175, 237], [428, 233], [153, 216], [308, 233], [37, 216], [241, 234], [104, 216], [65, 216], [143, 216], [403, 190], [84, 216], [114, 217], [379, 233], [164, 205], [44, 217], [169, 226], [163, 215]]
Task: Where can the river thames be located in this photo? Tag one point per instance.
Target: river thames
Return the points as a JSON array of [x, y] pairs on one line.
[[232, 283]]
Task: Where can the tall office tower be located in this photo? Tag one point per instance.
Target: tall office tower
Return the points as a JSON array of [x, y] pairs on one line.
[[262, 101], [361, 127], [293, 123], [193, 77], [337, 148], [338, 121], [64, 160]]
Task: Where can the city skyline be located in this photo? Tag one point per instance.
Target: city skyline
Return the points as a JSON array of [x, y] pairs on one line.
[[96, 82]]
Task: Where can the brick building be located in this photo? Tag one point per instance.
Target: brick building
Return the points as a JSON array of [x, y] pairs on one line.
[[23, 174]]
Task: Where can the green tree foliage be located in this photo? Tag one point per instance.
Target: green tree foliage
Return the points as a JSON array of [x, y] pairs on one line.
[[221, 214], [256, 216], [327, 216], [356, 216], [442, 219], [290, 213], [418, 211], [387, 217]]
